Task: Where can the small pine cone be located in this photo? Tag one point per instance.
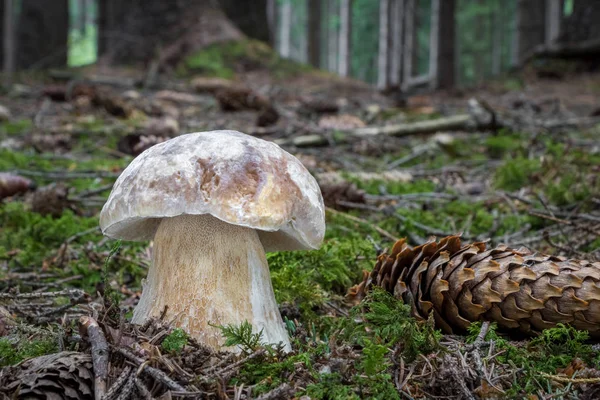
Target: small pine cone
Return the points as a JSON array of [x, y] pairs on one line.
[[65, 375], [460, 284], [11, 185]]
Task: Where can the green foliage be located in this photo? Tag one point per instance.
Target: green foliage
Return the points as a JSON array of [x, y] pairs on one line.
[[554, 348], [373, 359], [242, 336], [376, 186], [333, 267], [221, 60], [14, 351], [15, 128], [83, 46], [175, 341], [498, 146], [517, 173], [387, 321], [110, 295], [35, 236], [331, 387], [294, 285]]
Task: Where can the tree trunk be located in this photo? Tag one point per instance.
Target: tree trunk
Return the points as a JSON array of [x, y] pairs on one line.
[[496, 42], [446, 55], [251, 17], [285, 28], [409, 41], [314, 32], [345, 37], [8, 42], [582, 24], [272, 21], [553, 18], [42, 34], [332, 35], [384, 45], [397, 15], [144, 30], [531, 29]]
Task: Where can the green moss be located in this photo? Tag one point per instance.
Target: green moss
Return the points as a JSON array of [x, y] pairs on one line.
[[175, 341], [333, 267], [223, 59], [13, 351], [15, 128], [502, 144], [35, 237], [553, 349], [376, 186], [332, 387], [387, 321], [517, 173]]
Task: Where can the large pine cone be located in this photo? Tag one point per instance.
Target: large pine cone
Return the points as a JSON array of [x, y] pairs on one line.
[[65, 375], [461, 284]]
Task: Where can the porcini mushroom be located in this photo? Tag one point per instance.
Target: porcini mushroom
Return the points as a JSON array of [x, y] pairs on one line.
[[213, 203]]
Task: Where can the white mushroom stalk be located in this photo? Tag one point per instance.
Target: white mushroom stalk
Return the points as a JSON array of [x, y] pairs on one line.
[[206, 273], [214, 202]]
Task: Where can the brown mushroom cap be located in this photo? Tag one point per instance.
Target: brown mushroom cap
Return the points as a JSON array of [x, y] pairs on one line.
[[232, 176]]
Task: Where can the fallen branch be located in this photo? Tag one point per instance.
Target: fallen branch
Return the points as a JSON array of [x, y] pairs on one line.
[[90, 328], [455, 122], [153, 372]]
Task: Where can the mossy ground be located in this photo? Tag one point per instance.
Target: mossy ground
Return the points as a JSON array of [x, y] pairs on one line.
[[341, 353]]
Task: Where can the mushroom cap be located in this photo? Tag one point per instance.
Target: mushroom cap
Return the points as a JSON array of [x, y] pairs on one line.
[[232, 176]]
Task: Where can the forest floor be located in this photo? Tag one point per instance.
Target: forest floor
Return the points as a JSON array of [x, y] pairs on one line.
[[527, 177]]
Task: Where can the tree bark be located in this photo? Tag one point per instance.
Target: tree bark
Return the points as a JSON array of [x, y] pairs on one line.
[[531, 29], [384, 45], [345, 37], [42, 34], [314, 32], [409, 41], [446, 54], [582, 24], [397, 16], [553, 18], [8, 42], [251, 17], [285, 28], [332, 35], [272, 21]]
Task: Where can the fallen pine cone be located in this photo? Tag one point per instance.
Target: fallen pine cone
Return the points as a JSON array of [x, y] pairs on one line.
[[11, 185], [463, 283], [65, 375]]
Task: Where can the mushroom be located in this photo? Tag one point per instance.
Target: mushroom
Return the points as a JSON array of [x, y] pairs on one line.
[[213, 203]]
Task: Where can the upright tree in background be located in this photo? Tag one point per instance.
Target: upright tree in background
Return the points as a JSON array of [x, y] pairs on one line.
[[285, 29], [42, 34], [383, 63], [582, 24], [251, 17], [345, 37], [531, 30], [553, 18], [397, 24], [314, 32], [330, 27], [8, 41], [446, 53]]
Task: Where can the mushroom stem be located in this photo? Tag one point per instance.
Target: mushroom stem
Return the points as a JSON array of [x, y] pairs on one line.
[[208, 272]]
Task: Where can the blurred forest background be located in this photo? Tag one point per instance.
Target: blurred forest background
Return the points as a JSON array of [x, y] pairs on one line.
[[390, 43]]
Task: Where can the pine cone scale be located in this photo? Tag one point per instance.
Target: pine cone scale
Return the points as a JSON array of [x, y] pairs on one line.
[[461, 284]]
